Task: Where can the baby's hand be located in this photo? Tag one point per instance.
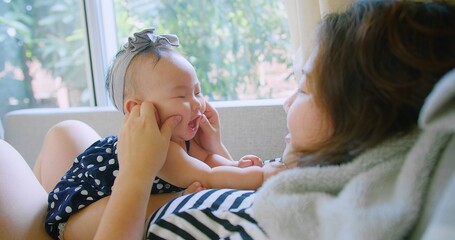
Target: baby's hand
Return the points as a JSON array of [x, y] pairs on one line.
[[208, 135], [192, 188], [250, 160]]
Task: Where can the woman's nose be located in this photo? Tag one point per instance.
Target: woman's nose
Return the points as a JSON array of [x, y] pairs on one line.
[[287, 103]]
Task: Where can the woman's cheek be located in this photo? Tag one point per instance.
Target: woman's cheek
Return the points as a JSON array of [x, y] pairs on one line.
[[296, 124], [307, 125]]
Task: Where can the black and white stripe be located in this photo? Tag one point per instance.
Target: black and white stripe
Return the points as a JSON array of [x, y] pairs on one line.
[[209, 214]]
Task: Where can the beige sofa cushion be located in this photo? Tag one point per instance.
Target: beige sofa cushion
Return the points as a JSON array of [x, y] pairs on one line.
[[248, 127]]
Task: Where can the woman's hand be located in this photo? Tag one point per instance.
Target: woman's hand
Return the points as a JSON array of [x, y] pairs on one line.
[[142, 146], [142, 149]]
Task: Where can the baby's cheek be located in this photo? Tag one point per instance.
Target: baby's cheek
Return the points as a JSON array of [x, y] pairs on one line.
[[157, 118], [174, 137], [203, 105]]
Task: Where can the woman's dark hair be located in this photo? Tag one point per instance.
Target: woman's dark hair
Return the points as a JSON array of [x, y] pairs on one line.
[[374, 67]]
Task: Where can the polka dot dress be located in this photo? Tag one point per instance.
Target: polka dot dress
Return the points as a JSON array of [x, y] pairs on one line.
[[89, 179]]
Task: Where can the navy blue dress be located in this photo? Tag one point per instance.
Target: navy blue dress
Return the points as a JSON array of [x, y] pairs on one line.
[[89, 179]]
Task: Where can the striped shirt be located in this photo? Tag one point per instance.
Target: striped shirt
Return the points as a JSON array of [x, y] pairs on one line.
[[208, 214]]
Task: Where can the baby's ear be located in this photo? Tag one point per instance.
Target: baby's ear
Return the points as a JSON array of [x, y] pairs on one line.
[[130, 103]]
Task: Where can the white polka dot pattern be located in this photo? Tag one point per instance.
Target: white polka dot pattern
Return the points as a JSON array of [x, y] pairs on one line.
[[89, 179]]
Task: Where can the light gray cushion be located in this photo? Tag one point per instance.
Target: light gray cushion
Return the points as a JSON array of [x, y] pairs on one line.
[[248, 127]]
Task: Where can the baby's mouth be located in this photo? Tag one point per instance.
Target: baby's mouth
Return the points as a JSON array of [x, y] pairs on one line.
[[193, 124]]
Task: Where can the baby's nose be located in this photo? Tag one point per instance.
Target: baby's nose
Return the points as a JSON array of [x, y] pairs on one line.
[[197, 105]]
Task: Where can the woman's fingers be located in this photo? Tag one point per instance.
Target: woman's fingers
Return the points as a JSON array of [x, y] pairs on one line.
[[149, 112], [169, 125]]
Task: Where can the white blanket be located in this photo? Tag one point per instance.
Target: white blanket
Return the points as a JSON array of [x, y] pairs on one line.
[[378, 195]]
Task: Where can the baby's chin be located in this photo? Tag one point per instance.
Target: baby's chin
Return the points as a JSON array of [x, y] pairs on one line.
[[179, 137]]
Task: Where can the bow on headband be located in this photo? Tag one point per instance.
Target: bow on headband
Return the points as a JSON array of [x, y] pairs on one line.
[[136, 44], [146, 38]]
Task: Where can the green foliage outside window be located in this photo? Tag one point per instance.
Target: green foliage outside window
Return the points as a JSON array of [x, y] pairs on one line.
[[223, 39], [47, 35]]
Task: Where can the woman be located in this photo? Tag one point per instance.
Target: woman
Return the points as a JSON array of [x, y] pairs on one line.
[[358, 163]]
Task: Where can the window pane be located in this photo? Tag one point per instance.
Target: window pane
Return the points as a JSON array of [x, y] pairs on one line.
[[43, 61], [239, 48]]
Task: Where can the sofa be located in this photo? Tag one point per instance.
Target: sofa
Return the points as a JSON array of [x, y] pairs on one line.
[[256, 127], [248, 127]]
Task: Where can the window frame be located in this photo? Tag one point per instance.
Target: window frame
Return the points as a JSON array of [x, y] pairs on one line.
[[102, 44]]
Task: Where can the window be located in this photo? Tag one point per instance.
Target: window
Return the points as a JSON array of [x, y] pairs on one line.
[[239, 48], [44, 60], [56, 53]]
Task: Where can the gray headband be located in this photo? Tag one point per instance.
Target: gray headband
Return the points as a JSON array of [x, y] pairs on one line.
[[136, 44]]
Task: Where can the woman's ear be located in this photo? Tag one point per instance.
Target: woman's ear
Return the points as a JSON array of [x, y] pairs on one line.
[[130, 103]]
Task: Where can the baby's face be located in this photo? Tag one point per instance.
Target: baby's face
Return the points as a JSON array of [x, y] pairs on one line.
[[172, 86]]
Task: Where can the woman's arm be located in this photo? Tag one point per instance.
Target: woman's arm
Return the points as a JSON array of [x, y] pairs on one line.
[[90, 216], [139, 139]]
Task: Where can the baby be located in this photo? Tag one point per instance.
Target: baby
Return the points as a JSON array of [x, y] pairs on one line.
[[148, 69]]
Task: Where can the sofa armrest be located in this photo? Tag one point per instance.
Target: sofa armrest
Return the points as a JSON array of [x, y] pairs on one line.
[[25, 129]]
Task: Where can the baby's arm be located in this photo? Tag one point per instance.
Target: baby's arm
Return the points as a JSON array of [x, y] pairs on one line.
[[180, 169], [215, 160], [208, 140]]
